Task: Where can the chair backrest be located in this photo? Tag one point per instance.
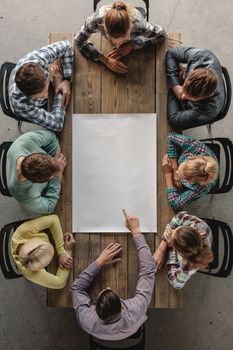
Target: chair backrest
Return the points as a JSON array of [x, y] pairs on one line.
[[7, 263], [137, 342], [220, 267], [5, 73], [224, 144], [95, 3], [228, 94], [4, 147]]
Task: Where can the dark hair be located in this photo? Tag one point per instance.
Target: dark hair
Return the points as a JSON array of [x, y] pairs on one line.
[[39, 167], [108, 305], [189, 243], [30, 79], [200, 83], [117, 20]]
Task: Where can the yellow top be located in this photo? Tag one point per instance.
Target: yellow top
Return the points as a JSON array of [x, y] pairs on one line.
[[34, 229]]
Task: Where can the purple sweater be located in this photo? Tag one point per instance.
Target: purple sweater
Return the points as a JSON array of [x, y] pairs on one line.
[[133, 313]]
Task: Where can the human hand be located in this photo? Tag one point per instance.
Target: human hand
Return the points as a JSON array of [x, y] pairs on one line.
[[132, 223], [121, 51], [160, 254], [65, 89], [178, 91], [114, 65], [181, 73], [61, 160], [65, 260], [107, 255], [69, 241], [167, 166], [177, 180]]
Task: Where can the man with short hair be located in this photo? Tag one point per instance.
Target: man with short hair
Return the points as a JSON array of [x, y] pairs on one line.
[[34, 170], [196, 93], [113, 318], [29, 83]]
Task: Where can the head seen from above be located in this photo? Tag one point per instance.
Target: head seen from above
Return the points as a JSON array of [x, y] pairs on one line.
[[200, 84], [117, 22], [39, 167], [108, 305], [32, 81], [200, 170], [36, 254], [190, 245]]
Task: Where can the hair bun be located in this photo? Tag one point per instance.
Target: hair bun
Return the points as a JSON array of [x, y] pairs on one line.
[[119, 6]]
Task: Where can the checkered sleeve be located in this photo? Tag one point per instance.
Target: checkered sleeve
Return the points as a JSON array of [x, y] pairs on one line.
[[148, 34], [177, 277], [81, 38], [53, 120], [178, 199], [60, 50]]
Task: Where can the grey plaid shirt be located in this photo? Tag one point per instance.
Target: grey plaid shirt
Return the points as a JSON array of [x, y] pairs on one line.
[[30, 108], [142, 32]]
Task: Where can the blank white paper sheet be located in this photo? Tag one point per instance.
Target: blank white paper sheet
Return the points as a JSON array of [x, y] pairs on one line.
[[114, 167]]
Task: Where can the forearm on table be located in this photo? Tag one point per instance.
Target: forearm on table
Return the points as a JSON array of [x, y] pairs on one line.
[[84, 280]]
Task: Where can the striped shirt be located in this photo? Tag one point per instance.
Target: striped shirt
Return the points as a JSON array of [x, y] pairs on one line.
[[142, 32], [179, 272], [29, 108], [184, 147]]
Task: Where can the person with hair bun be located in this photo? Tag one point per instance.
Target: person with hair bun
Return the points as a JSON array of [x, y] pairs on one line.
[[196, 92], [32, 251], [125, 27], [190, 169], [187, 240]]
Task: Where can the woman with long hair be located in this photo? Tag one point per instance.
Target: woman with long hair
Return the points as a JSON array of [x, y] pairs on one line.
[[190, 169], [33, 252], [187, 244], [126, 29]]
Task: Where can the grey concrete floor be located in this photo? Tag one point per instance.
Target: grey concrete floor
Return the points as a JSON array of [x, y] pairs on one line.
[[205, 322]]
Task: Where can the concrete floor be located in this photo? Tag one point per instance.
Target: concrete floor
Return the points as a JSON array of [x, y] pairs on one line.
[[205, 322]]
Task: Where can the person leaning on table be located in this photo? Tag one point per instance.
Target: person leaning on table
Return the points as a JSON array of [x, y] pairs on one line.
[[32, 251], [29, 83], [186, 242], [113, 318], [125, 28], [196, 93], [34, 170], [190, 169]]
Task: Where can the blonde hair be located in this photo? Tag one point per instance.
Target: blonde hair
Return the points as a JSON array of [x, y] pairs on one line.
[[200, 169], [189, 244], [118, 19], [36, 254]]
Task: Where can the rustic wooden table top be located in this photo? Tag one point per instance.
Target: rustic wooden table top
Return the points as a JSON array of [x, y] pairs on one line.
[[97, 90]]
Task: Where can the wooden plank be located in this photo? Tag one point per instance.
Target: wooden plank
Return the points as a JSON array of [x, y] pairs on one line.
[[87, 99], [141, 81], [64, 207], [165, 296]]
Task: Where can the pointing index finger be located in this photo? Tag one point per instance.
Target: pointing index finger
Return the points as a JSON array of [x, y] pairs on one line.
[[125, 213]]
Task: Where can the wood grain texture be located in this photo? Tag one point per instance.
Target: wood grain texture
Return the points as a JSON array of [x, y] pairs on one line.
[[165, 296]]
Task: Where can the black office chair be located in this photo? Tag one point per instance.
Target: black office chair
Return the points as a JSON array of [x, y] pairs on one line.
[[5, 73], [7, 263], [224, 144], [228, 94], [4, 147], [144, 12], [221, 268], [138, 339]]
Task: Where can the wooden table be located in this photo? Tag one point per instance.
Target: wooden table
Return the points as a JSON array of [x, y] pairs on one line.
[[97, 90]]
